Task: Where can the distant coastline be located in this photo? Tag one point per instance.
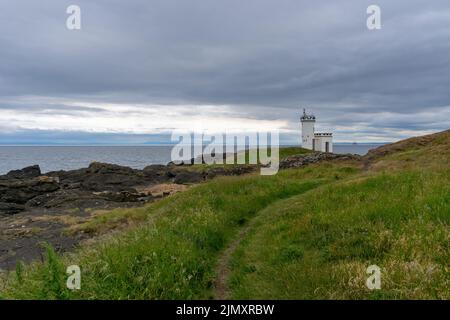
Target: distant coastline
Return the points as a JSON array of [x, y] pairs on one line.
[[53, 158]]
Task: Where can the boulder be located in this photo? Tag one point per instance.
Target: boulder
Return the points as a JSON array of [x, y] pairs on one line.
[[156, 173], [20, 191], [25, 173], [185, 177], [57, 198], [101, 177], [107, 168]]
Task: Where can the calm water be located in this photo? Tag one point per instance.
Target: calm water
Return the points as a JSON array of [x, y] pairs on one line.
[[68, 158]]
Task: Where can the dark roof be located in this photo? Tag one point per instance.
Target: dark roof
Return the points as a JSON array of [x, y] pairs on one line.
[[307, 116]]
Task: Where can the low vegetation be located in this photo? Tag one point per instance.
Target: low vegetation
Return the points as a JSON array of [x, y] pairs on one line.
[[319, 244], [313, 232]]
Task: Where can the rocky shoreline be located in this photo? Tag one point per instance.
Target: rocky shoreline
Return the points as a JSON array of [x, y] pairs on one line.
[[38, 208], [95, 186]]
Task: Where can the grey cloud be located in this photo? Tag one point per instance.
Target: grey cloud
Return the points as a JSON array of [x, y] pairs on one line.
[[265, 58], [48, 108]]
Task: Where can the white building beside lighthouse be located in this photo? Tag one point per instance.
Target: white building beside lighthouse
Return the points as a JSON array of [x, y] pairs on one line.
[[317, 141]]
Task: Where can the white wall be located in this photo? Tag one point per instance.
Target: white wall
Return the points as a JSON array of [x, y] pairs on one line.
[[320, 143], [307, 134], [330, 141], [323, 141]]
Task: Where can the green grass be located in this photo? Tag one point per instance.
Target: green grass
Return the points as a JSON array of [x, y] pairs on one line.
[[292, 151], [283, 152], [314, 232], [173, 254], [319, 244]]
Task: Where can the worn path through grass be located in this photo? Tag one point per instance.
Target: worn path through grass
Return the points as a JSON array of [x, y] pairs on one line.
[[173, 252]]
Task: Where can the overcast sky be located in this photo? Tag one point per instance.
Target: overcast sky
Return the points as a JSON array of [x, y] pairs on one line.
[[139, 69]]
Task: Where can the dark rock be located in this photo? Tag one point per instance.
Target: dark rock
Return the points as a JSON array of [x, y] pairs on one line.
[[25, 173], [11, 208], [69, 199], [156, 173], [98, 185], [57, 198], [234, 170], [188, 177], [171, 174], [106, 168], [123, 196], [74, 185], [302, 160], [239, 170], [101, 177], [154, 169], [20, 191]]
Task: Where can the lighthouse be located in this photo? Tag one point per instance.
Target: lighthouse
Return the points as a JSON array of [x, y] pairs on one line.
[[316, 141], [308, 121]]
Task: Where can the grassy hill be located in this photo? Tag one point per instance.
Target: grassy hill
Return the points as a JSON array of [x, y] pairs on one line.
[[305, 233]]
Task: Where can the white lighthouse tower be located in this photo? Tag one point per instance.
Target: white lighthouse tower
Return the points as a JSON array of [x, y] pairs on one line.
[[317, 141], [308, 121]]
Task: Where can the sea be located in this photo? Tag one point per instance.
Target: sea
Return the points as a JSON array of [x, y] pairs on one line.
[[53, 158]]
